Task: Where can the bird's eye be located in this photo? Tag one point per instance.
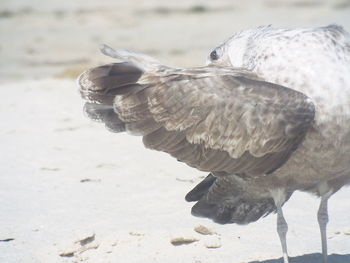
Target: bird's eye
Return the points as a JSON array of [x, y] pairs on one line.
[[214, 55]]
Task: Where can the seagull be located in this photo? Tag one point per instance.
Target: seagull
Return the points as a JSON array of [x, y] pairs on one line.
[[268, 115]]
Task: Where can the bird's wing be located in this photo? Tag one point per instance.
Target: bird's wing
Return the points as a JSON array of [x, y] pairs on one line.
[[212, 118]]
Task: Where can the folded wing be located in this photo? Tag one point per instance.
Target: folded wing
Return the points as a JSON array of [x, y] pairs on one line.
[[215, 119]]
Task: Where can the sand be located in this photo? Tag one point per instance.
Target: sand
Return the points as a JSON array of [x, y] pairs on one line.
[[72, 192]]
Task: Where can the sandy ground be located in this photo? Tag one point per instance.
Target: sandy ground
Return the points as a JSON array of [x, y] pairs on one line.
[[72, 192]]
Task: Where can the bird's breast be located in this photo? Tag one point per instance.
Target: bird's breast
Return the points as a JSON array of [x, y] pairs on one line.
[[323, 155]]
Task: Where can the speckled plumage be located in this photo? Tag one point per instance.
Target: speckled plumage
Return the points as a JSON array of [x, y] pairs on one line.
[[269, 115], [316, 62]]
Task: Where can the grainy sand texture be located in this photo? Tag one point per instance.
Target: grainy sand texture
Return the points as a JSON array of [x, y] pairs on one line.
[[70, 191]]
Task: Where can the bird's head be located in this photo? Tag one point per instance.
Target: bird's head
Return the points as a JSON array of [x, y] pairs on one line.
[[219, 57], [234, 51]]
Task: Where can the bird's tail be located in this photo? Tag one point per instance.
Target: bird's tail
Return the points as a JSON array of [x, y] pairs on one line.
[[223, 200]]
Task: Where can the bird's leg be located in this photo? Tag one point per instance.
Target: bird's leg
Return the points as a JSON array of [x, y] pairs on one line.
[[322, 217], [282, 229], [282, 226]]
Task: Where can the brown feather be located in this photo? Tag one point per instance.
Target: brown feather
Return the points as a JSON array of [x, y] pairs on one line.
[[212, 118]]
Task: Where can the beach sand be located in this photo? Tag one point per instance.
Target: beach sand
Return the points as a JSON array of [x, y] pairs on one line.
[[70, 191]]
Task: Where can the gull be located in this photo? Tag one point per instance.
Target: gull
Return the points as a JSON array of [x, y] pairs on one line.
[[268, 115]]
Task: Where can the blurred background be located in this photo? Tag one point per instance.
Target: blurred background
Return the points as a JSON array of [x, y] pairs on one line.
[[70, 191], [58, 38]]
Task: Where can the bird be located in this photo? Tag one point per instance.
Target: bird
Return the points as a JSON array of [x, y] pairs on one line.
[[268, 115]]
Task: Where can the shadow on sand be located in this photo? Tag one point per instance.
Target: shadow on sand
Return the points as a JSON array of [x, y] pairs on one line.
[[310, 258]]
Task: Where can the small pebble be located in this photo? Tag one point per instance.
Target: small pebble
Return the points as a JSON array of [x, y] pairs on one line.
[[178, 241], [204, 230]]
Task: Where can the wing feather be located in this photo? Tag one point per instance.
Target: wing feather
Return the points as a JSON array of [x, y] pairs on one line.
[[215, 119]]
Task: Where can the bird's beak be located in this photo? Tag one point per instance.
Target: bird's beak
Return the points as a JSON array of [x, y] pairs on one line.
[[219, 63]]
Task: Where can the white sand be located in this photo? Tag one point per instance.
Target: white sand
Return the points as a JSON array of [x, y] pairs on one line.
[[63, 178]]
